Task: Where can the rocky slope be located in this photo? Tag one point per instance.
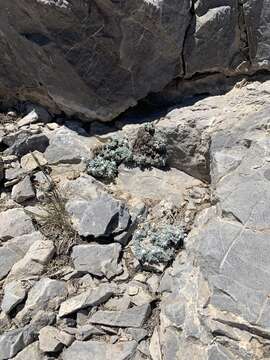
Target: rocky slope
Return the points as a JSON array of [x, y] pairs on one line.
[[158, 263], [96, 58]]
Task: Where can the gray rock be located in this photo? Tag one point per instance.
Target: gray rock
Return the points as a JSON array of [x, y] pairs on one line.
[[32, 264], [13, 341], [25, 143], [99, 260], [14, 293], [23, 191], [30, 352], [52, 339], [182, 39], [46, 294], [85, 332], [67, 147], [99, 350], [2, 169], [15, 222], [32, 161], [154, 184], [15, 249], [137, 334], [91, 297], [133, 317], [35, 114], [103, 216]]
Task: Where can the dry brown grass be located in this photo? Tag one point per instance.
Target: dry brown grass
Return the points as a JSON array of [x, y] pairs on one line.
[[54, 222]]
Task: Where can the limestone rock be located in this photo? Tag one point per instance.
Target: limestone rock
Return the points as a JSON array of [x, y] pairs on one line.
[[68, 147], [32, 264], [36, 113], [13, 341], [53, 340], [14, 293], [32, 161], [151, 44], [46, 294], [15, 222], [99, 260], [134, 317], [30, 352], [25, 143], [99, 350], [15, 249], [91, 297], [103, 216], [23, 190]]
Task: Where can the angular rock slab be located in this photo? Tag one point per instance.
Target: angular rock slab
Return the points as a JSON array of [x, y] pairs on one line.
[[91, 297], [99, 260], [68, 147], [133, 317], [103, 216], [82, 350], [13, 341], [30, 352], [15, 222], [52, 339], [14, 293]]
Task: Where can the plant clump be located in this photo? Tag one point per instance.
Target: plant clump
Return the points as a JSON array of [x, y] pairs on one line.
[[147, 150], [157, 244]]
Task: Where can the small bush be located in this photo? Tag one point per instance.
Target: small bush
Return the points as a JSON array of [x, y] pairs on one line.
[[157, 245], [147, 150]]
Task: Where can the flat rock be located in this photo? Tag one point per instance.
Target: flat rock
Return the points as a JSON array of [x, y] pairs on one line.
[[89, 298], [14, 293], [15, 249], [103, 216], [15, 222], [13, 341], [46, 294], [32, 161], [32, 264], [133, 317], [81, 350], [155, 184], [32, 352], [52, 339], [23, 191], [26, 143], [99, 260], [68, 147]]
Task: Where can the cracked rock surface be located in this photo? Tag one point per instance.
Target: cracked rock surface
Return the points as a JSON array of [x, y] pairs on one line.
[[71, 284], [97, 58]]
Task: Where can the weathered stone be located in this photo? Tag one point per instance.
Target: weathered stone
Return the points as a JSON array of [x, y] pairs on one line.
[[155, 184], [14, 293], [15, 249], [46, 294], [99, 260], [67, 147], [25, 143], [53, 340], [154, 347], [85, 332], [2, 169], [36, 113], [15, 222], [103, 216], [137, 334], [13, 341], [91, 297], [30, 352], [134, 317], [32, 161], [99, 350], [32, 264], [23, 191]]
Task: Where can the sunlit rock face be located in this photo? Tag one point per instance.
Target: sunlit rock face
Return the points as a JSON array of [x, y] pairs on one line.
[[97, 58]]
